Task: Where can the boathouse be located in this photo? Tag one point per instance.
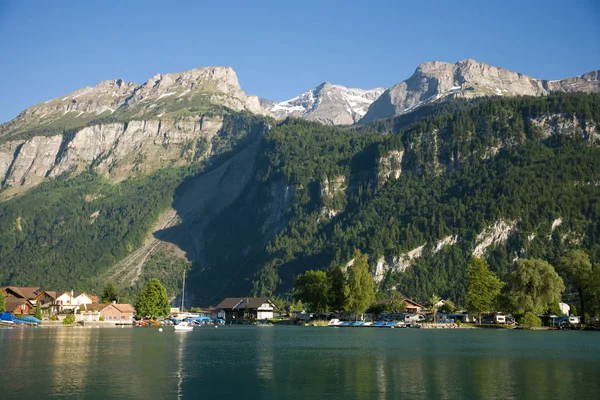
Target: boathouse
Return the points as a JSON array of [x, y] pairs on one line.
[[236, 308]]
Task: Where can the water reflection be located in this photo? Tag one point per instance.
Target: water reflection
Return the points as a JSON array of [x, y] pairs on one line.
[[264, 354], [297, 363], [182, 338], [73, 353]]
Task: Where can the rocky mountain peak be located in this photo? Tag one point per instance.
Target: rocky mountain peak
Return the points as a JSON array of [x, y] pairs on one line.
[[329, 104], [467, 78], [215, 85]]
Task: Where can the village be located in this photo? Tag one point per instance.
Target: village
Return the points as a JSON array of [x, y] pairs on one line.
[[34, 306]]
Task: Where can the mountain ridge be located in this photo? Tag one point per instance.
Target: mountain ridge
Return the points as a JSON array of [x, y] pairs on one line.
[[435, 80]]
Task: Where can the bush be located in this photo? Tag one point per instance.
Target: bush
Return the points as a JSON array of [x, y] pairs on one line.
[[68, 320], [53, 318], [530, 321], [102, 318]]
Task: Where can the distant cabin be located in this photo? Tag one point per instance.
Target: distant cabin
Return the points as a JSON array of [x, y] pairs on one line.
[[236, 308]]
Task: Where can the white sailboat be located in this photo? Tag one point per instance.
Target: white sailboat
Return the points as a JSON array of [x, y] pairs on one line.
[[183, 326]]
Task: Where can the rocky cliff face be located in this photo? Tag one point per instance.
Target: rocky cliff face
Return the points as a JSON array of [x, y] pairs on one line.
[[117, 150], [433, 81], [162, 95], [327, 104]]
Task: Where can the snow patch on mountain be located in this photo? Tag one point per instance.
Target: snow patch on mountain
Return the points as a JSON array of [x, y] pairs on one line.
[[329, 104]]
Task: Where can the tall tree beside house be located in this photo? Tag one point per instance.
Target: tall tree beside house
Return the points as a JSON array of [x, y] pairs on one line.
[[434, 307], [338, 288], [2, 302], [109, 294], [361, 287], [152, 301], [483, 287], [575, 265], [594, 304], [311, 287], [534, 286], [38, 311]]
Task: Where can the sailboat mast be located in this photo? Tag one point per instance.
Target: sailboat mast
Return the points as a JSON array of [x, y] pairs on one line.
[[183, 292]]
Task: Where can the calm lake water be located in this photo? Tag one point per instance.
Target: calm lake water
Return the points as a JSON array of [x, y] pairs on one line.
[[298, 363]]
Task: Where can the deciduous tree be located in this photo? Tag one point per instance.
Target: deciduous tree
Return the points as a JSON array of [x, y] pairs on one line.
[[534, 286], [483, 287], [338, 288], [434, 308], [360, 285], [575, 265], [311, 287]]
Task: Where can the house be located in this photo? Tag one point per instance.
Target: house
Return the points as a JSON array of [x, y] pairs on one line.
[[117, 313], [15, 306], [63, 302], [28, 293], [247, 308], [412, 307]]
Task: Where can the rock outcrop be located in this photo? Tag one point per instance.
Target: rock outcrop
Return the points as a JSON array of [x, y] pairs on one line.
[[117, 150], [390, 166], [32, 161], [328, 104], [468, 78]]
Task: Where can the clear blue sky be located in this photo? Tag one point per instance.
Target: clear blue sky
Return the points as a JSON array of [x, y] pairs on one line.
[[282, 48]]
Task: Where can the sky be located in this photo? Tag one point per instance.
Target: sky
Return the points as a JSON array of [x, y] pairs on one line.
[[282, 48]]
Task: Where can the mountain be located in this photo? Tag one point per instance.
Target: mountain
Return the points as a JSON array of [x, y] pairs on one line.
[[502, 178], [328, 104], [120, 129], [433, 81], [162, 95], [175, 180]]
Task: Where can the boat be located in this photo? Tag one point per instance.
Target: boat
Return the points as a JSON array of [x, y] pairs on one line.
[[185, 325], [335, 322]]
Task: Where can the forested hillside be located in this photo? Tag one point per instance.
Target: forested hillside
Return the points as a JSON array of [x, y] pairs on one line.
[[504, 178], [524, 163]]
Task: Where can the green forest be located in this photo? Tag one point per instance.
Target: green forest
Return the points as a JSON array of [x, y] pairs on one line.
[[451, 184], [317, 196]]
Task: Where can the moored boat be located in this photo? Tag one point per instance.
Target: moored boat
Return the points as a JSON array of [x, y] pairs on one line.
[[183, 326]]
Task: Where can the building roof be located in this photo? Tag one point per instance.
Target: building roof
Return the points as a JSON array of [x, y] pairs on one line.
[[237, 303], [12, 303], [93, 307], [49, 293], [408, 302], [24, 292], [124, 308]]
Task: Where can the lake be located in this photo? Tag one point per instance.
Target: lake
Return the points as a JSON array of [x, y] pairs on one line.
[[286, 362]]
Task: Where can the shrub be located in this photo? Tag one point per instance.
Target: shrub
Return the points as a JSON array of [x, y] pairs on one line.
[[102, 318], [530, 321], [68, 320]]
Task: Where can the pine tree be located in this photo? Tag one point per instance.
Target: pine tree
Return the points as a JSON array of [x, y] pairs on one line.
[[2, 302], [152, 301], [38, 311], [109, 294]]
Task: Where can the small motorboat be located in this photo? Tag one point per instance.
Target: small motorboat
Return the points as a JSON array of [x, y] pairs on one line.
[[335, 322], [183, 326]]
